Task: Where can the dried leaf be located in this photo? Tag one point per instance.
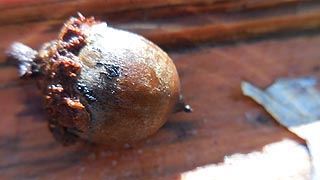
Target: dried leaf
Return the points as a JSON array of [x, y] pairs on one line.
[[294, 103]]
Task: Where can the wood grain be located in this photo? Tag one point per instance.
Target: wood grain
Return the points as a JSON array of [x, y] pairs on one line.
[[189, 30], [224, 122], [15, 12], [217, 127]]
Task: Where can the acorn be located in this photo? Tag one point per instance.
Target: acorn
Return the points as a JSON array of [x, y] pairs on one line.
[[101, 84]]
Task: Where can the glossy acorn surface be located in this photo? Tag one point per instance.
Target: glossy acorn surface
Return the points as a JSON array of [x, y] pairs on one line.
[[102, 84]]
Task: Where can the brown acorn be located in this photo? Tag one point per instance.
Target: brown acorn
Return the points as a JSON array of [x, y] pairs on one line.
[[102, 84]]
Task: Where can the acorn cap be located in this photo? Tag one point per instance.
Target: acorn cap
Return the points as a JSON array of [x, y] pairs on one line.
[[101, 84]]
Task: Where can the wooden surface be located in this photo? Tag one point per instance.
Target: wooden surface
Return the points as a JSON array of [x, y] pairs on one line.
[[279, 40]]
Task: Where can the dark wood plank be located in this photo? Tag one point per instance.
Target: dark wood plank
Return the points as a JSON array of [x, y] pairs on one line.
[[187, 30], [29, 10], [223, 122], [217, 127]]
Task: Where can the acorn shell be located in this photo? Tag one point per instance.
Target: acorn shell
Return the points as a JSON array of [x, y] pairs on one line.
[[135, 83], [101, 84]]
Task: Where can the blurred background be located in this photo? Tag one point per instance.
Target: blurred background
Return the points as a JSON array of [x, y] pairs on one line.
[[215, 44]]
